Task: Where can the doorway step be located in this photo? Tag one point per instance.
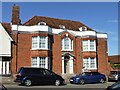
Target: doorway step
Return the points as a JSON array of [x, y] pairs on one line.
[[67, 77]]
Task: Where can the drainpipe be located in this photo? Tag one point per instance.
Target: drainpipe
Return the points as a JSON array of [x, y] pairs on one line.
[[81, 59], [17, 50]]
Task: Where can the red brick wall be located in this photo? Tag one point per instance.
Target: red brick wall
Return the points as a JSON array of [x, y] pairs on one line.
[[78, 55], [22, 55], [25, 53], [102, 55], [13, 62], [56, 54]]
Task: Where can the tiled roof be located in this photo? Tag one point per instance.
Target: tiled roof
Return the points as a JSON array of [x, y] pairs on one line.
[[54, 23], [114, 59], [7, 27]]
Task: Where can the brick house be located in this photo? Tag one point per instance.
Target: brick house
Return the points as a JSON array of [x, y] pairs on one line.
[[114, 62], [63, 46]]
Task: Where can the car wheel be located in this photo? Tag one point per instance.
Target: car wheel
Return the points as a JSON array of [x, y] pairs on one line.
[[102, 80], [57, 82], [82, 81], [27, 82]]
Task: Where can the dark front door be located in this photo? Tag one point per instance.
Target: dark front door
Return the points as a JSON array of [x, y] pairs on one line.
[[66, 64]]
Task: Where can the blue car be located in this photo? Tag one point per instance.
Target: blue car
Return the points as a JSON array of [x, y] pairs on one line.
[[88, 77]]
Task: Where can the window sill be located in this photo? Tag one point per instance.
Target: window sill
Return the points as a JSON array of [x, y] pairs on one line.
[[40, 49], [92, 68], [89, 51], [66, 50]]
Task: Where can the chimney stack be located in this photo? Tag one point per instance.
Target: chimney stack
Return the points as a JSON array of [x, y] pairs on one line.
[[15, 15]]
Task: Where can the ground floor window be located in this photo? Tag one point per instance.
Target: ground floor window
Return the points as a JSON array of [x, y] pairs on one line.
[[89, 63], [41, 62], [5, 63]]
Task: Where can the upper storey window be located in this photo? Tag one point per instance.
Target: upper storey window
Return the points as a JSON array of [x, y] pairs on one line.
[[39, 42], [89, 45], [67, 44], [42, 23], [83, 28]]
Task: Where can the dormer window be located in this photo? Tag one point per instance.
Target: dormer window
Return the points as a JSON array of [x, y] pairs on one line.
[[83, 28], [42, 23], [62, 26]]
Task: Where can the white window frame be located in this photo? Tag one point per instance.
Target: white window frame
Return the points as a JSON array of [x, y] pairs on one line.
[[89, 45], [89, 63], [70, 47], [38, 62], [34, 42], [38, 43]]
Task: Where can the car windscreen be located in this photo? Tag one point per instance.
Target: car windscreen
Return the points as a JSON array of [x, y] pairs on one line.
[[113, 72], [85, 74], [116, 85]]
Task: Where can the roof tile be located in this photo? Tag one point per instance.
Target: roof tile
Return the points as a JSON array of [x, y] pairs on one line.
[[54, 23]]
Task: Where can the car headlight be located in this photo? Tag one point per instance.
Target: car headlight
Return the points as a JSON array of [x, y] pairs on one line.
[[116, 77], [77, 78]]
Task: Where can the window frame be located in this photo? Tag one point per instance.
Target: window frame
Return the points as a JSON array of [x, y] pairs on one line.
[[69, 43], [89, 45], [89, 63], [38, 43], [40, 63]]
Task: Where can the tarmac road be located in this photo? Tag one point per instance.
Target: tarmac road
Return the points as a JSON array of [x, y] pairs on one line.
[[68, 86]]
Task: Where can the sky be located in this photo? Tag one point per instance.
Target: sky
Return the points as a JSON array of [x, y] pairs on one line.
[[100, 16]]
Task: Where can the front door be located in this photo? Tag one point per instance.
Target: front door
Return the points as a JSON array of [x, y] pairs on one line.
[[67, 65]]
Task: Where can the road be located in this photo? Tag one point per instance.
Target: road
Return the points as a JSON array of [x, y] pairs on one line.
[[98, 86]]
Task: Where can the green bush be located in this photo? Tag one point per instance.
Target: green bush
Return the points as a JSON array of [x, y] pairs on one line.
[[115, 65]]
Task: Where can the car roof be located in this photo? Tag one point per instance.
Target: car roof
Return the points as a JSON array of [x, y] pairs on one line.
[[115, 71], [32, 68]]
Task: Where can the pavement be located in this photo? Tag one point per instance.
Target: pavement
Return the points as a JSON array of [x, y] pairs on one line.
[[7, 80]]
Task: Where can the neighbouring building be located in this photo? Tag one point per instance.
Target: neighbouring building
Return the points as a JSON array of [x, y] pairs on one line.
[[114, 62], [5, 49], [63, 46]]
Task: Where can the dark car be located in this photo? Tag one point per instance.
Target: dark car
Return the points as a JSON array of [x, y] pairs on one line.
[[29, 76], [115, 86], [114, 76], [88, 77], [2, 87]]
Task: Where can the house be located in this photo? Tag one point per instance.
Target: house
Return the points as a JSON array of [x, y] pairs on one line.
[[5, 49], [114, 61], [63, 46]]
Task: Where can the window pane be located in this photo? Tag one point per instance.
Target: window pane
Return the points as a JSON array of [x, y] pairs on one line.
[[92, 45], [42, 42], [86, 62], [34, 42], [85, 45], [66, 43], [62, 44], [42, 62], [71, 44], [34, 62], [92, 63]]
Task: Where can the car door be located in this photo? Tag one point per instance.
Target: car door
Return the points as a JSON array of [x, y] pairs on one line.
[[92, 77], [88, 77], [96, 77], [49, 77], [37, 76]]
